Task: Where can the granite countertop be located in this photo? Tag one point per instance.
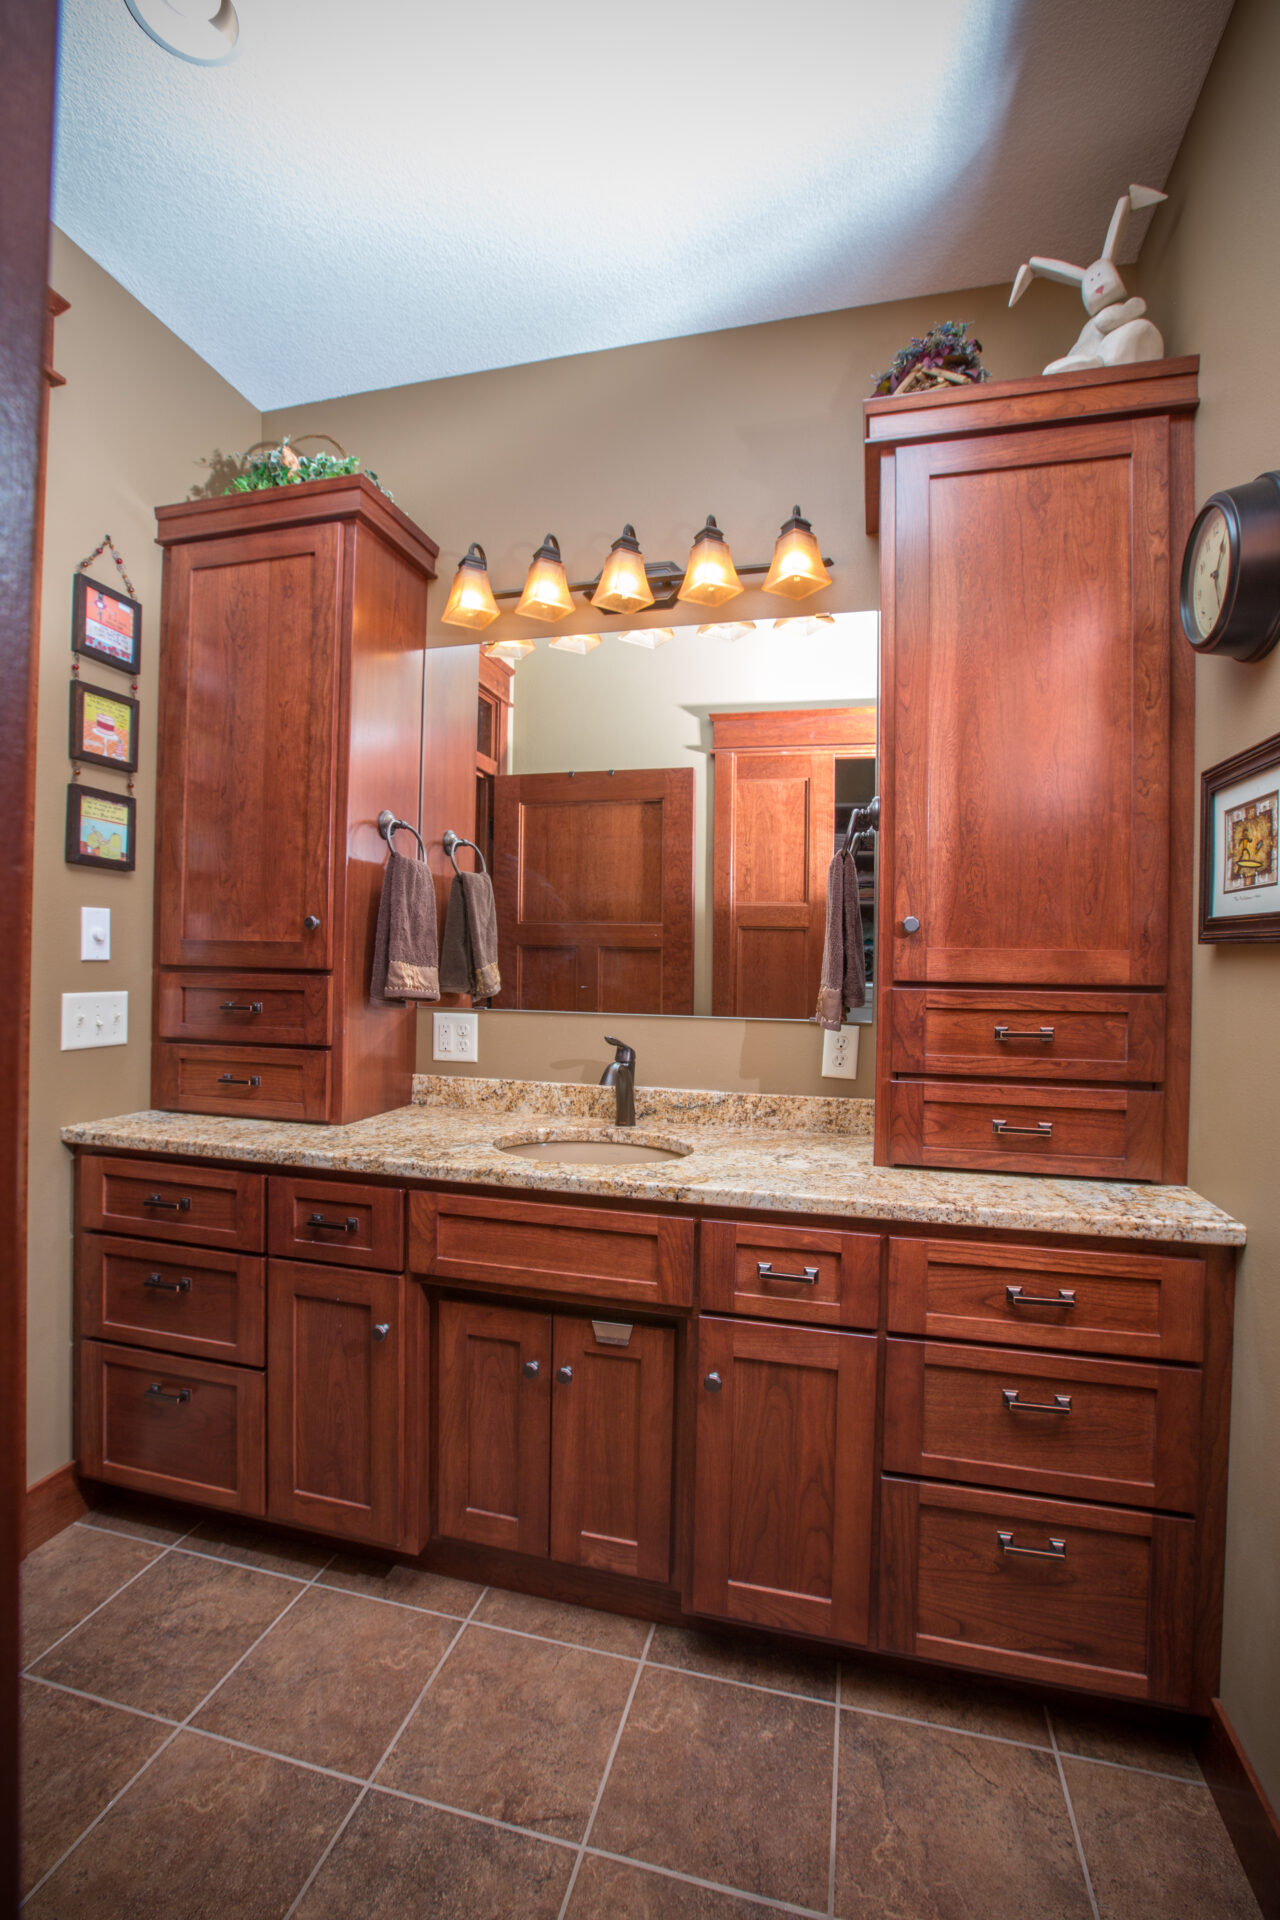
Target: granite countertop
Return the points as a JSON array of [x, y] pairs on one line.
[[780, 1153]]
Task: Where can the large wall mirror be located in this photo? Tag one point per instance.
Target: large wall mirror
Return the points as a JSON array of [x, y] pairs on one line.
[[664, 817]]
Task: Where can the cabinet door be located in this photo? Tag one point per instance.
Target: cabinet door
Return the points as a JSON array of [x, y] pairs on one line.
[[783, 1477], [1028, 683], [612, 1428], [775, 819], [494, 1405], [339, 1365], [247, 737]]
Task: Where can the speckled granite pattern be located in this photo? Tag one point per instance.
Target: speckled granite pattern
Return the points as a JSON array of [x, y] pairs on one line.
[[791, 1112], [731, 1164]]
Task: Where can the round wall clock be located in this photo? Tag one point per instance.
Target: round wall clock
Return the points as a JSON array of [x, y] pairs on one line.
[[1230, 598]]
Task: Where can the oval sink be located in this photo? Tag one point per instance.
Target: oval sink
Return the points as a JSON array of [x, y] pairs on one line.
[[584, 1150]]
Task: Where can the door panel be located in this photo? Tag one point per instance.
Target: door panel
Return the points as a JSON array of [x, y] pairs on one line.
[[774, 834], [612, 1433], [494, 1401]]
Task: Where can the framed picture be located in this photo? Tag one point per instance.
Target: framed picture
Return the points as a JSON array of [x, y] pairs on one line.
[[1240, 846], [100, 828], [106, 625], [104, 727]]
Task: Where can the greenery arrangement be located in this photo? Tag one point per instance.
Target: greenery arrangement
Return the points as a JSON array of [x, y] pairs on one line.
[[282, 467], [946, 357]]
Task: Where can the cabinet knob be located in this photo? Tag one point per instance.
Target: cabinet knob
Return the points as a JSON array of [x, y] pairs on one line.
[[382, 1329], [911, 924], [564, 1375], [713, 1383], [530, 1369], [311, 922]]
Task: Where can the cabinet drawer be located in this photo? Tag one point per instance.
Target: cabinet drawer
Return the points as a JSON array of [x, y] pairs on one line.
[[589, 1252], [1120, 1303], [789, 1273], [1102, 1133], [1101, 1429], [1041, 1589], [268, 1084], [349, 1226], [198, 1206], [270, 1009], [1028, 1036], [187, 1428], [178, 1299]]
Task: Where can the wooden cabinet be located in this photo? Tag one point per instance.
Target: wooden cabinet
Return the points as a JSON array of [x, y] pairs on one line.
[[1035, 767], [790, 1273], [189, 1429], [597, 1253], [195, 1205], [293, 627], [493, 1410]]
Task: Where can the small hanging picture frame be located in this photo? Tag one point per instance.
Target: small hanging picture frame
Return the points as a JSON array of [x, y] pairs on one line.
[[101, 829], [106, 625], [104, 727]]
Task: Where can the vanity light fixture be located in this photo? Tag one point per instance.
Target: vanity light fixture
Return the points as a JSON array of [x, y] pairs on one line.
[[647, 636], [624, 584], [804, 626], [576, 642], [729, 629], [546, 593], [205, 32], [797, 568], [471, 602], [511, 652], [710, 577]]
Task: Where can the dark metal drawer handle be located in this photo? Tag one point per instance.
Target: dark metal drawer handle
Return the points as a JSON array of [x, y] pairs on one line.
[[1061, 1403], [240, 1006], [349, 1225], [156, 1392], [765, 1271], [1043, 1128], [713, 1383], [1024, 1033], [229, 1080], [382, 1329], [1017, 1298], [564, 1375], [1056, 1549], [178, 1206], [169, 1286]]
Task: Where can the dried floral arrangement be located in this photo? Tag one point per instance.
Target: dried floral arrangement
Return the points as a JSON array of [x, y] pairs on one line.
[[282, 466], [946, 357]]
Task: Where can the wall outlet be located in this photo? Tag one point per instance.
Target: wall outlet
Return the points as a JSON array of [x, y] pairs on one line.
[[95, 933], [455, 1036], [94, 1020], [840, 1054]]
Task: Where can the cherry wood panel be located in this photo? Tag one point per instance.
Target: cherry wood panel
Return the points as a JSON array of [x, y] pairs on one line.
[[351, 498], [590, 1252], [346, 1379], [1137, 1305], [201, 1206], [1113, 1133], [612, 1434], [774, 833], [852, 730], [196, 1300], [189, 1429], [335, 1221], [493, 1387], [1106, 1608], [783, 1477], [1114, 1430], [52, 1504], [816, 1277], [593, 882], [1023, 1036], [251, 1083], [268, 1009]]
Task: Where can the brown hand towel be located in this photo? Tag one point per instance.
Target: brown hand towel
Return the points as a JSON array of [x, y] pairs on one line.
[[844, 967], [404, 946], [469, 952]]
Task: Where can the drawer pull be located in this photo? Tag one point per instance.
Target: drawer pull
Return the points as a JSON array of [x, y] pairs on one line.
[[1056, 1549], [531, 1369], [1042, 1128], [156, 1392], [349, 1225], [229, 1080], [1024, 1033], [240, 1006], [713, 1383], [382, 1329], [178, 1206], [1061, 1403], [1017, 1298], [765, 1270], [168, 1286], [564, 1375]]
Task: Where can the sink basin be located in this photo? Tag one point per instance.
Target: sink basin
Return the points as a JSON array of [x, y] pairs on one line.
[[610, 1148]]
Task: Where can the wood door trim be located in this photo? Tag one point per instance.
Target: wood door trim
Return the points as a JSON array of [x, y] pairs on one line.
[[851, 728]]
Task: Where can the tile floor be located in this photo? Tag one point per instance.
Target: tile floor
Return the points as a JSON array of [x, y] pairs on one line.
[[220, 1723]]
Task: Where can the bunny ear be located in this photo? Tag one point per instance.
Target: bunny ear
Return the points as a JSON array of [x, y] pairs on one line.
[[1140, 197], [1020, 285], [1118, 228]]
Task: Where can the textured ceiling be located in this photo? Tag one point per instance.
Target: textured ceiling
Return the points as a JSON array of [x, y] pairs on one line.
[[382, 191]]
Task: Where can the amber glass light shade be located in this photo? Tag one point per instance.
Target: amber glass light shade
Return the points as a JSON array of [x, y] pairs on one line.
[[546, 593], [710, 577], [510, 652], [576, 642], [624, 584], [471, 602], [797, 568]]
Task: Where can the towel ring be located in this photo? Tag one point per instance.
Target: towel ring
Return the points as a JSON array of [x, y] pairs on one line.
[[452, 841], [389, 826], [862, 822]]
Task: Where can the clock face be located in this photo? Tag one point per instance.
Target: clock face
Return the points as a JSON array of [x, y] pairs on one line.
[[1210, 571]]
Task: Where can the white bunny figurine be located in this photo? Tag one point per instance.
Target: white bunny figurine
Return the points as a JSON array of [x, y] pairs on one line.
[[1117, 330]]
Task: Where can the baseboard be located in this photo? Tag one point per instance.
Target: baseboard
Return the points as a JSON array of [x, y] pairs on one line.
[[1246, 1812], [52, 1504]]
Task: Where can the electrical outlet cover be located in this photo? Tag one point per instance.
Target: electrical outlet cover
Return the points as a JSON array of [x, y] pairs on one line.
[[455, 1036], [840, 1054]]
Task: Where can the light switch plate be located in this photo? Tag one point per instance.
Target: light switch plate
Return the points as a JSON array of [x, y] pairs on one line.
[[94, 1020], [455, 1036], [840, 1054], [95, 933]]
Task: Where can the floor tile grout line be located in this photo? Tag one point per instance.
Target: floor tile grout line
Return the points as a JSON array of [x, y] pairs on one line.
[[466, 1813], [608, 1769], [1071, 1815], [85, 1618], [712, 1886], [1128, 1766], [123, 1533], [835, 1797], [549, 1640], [273, 1753], [247, 1566], [754, 1686], [100, 1700], [945, 1726]]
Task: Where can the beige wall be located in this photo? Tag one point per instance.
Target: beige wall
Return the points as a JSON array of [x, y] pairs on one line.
[[138, 413], [1211, 273]]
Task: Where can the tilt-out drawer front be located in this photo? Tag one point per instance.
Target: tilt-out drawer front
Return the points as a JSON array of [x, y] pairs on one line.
[[268, 1009], [1042, 1590], [978, 1032], [1042, 1422], [191, 1429], [271, 1083], [347, 1226], [1109, 1133], [1133, 1304], [196, 1206], [190, 1300], [585, 1252], [790, 1273]]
